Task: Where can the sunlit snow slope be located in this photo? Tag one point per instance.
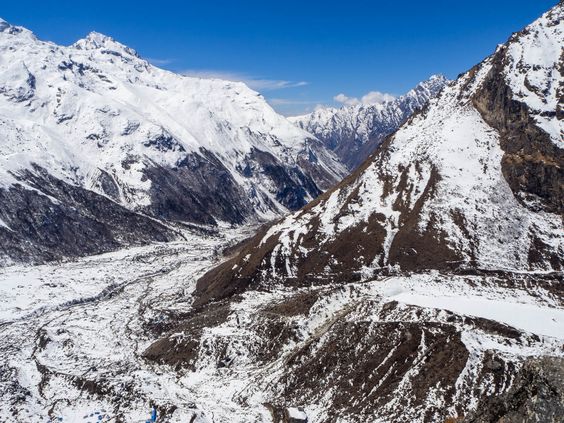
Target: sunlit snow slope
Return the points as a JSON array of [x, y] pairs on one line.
[[95, 120]]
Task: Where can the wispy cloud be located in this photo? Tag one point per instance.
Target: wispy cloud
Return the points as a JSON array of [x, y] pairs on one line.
[[372, 97], [159, 62], [259, 84]]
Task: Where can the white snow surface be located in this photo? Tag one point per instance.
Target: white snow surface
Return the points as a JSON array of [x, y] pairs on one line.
[[534, 70], [88, 107]]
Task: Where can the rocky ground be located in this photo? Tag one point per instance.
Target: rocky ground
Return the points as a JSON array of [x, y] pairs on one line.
[[109, 337], [72, 334]]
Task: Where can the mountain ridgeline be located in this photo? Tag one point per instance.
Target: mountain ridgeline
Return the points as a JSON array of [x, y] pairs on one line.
[[425, 286], [354, 132], [99, 149], [473, 183], [399, 290]]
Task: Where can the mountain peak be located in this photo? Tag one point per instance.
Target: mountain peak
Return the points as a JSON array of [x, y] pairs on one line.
[[436, 79], [98, 41], [433, 84], [354, 131], [7, 28]]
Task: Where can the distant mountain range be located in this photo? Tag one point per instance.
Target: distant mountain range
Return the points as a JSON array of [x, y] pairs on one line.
[[354, 132]]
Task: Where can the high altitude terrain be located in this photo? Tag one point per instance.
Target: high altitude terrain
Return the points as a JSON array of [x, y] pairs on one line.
[[100, 149], [354, 132], [410, 290], [425, 287]]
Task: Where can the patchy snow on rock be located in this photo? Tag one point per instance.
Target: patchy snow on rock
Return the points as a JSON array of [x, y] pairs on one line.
[[534, 64], [445, 166]]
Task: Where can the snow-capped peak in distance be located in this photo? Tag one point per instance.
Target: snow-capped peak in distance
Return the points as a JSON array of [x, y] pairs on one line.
[[6, 27], [353, 132], [3, 24], [95, 40], [95, 116]]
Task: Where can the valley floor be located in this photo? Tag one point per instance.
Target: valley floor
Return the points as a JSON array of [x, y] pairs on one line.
[[72, 336]]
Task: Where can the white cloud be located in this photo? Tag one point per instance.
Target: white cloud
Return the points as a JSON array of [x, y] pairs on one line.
[[376, 97], [258, 84], [159, 62], [348, 101], [373, 97]]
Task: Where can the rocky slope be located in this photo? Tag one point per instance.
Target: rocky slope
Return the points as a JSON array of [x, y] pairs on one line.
[[415, 289], [98, 149], [474, 182], [354, 132]]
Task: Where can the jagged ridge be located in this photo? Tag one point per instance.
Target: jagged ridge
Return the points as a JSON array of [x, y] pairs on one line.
[[97, 117], [354, 132]]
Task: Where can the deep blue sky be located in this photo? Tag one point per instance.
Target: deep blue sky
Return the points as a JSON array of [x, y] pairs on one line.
[[297, 53]]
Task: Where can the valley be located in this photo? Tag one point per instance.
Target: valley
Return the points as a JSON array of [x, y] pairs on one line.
[[74, 340], [174, 250]]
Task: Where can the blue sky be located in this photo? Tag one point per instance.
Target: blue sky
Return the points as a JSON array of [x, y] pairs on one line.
[[297, 53]]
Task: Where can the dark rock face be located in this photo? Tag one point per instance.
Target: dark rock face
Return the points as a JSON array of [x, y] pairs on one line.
[[199, 190], [108, 185], [414, 248], [292, 185], [532, 165], [184, 352], [373, 359], [55, 220], [537, 395]]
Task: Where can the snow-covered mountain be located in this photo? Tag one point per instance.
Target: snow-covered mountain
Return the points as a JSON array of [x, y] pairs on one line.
[[353, 132], [98, 148], [409, 291], [472, 182], [426, 287]]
